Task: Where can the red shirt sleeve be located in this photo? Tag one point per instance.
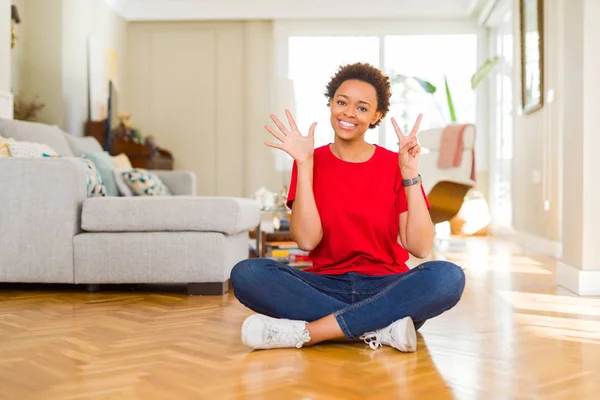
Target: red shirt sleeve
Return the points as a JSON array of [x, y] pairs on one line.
[[292, 190]]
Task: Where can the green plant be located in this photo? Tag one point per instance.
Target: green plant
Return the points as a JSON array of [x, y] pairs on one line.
[[479, 75], [27, 110], [483, 71], [449, 100]]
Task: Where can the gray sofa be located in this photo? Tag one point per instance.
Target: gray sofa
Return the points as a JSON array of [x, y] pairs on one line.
[[50, 232]]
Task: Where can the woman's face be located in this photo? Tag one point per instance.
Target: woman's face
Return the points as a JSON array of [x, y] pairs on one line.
[[353, 109]]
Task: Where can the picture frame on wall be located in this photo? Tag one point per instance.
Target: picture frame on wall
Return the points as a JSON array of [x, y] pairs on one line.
[[531, 15]]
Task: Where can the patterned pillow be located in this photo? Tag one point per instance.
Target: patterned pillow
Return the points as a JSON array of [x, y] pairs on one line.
[[29, 149], [4, 150], [124, 189], [144, 183], [95, 186]]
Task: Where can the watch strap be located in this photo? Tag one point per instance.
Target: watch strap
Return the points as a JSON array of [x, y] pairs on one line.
[[412, 181]]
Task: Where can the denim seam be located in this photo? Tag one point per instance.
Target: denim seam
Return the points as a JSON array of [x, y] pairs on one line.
[[343, 326], [377, 296], [292, 271]]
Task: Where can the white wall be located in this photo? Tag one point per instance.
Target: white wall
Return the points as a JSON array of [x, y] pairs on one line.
[[591, 141], [579, 268], [51, 56], [17, 52], [203, 89], [82, 20], [38, 60], [536, 137], [5, 63], [561, 142], [5, 60]]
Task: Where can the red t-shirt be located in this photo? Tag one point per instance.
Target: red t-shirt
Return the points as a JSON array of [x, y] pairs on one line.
[[359, 205]]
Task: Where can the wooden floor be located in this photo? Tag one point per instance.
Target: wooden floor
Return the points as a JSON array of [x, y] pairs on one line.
[[513, 336]]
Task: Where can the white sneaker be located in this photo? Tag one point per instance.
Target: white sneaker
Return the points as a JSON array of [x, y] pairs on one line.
[[400, 335], [262, 332]]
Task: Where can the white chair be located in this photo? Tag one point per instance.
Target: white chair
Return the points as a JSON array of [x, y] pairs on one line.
[[446, 188]]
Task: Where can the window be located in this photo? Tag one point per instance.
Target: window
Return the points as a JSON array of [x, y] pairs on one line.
[[313, 60], [430, 57], [312, 63]]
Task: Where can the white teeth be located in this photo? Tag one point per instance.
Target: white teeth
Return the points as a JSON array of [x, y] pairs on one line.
[[347, 124]]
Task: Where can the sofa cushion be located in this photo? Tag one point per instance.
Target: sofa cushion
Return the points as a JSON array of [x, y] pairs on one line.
[[95, 186], [25, 131], [145, 183], [229, 215], [82, 145], [122, 187], [122, 161], [105, 167], [29, 150], [4, 150]]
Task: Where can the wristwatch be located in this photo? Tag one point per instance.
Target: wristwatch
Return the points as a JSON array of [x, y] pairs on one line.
[[412, 181]]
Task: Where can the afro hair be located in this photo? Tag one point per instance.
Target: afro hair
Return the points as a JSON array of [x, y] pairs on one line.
[[368, 74]]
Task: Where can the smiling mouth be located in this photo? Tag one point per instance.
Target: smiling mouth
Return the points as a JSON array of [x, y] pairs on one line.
[[346, 125]]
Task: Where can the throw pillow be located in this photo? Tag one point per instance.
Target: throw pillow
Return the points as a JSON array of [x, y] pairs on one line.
[[4, 150], [124, 189], [103, 162], [29, 149], [122, 161], [95, 187], [144, 183]]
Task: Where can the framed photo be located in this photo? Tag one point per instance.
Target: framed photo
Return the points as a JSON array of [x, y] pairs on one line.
[[531, 14]]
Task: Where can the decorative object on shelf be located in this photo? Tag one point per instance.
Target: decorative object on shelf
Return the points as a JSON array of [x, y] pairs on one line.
[[124, 139], [15, 19], [27, 110], [265, 198], [125, 130], [282, 198], [531, 18]]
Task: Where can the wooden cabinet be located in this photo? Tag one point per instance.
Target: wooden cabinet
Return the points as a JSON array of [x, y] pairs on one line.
[[141, 155], [280, 246]]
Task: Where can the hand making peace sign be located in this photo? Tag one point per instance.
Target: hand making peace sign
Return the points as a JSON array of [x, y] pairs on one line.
[[301, 148], [409, 150]]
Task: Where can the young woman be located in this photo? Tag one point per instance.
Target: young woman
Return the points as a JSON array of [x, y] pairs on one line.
[[351, 201]]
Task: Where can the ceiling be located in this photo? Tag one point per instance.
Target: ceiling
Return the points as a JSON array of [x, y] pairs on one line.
[[169, 10]]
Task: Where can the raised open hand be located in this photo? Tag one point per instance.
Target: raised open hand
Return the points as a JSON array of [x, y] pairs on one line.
[[410, 150], [301, 148]]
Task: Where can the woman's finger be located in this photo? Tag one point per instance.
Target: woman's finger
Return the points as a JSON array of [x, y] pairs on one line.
[[274, 145], [410, 143], [415, 128], [311, 130], [281, 127], [290, 119], [415, 150], [275, 133], [399, 132]]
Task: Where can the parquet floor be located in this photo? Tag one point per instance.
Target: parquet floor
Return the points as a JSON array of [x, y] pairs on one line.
[[513, 336]]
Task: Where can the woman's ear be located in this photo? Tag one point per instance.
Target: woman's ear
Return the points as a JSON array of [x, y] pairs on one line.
[[376, 118]]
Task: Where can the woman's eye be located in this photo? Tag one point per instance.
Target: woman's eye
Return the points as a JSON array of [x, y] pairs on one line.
[[341, 103], [362, 109]]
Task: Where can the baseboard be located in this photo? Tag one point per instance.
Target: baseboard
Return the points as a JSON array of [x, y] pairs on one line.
[[579, 281], [529, 242]]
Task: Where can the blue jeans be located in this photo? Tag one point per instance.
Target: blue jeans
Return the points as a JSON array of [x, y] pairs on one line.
[[360, 303]]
